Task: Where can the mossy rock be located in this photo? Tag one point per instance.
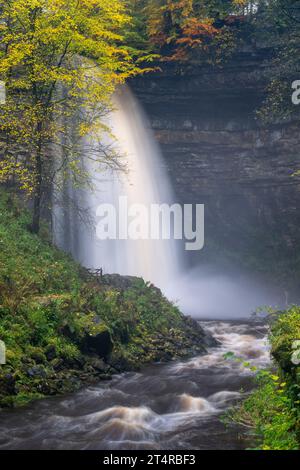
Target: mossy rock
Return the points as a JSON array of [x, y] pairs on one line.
[[64, 328], [96, 338], [285, 331]]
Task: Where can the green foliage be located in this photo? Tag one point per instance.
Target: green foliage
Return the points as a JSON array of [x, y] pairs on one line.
[[48, 307], [277, 27], [183, 30], [273, 409], [55, 56], [284, 333], [271, 413]]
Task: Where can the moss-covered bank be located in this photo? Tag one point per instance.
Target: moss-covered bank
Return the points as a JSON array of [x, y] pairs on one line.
[[63, 327], [272, 411]]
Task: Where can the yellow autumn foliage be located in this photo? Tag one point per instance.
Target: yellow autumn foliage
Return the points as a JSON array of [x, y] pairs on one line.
[[56, 56]]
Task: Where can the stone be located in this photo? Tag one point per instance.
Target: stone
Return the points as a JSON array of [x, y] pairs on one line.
[[50, 352], [37, 371], [99, 343], [7, 384], [97, 363], [218, 154]]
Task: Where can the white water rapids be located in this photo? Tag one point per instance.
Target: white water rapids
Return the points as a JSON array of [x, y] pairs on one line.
[[166, 406]]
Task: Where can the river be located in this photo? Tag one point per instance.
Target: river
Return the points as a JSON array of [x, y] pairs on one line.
[[165, 406]]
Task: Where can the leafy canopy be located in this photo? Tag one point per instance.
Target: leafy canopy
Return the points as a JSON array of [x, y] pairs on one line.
[[179, 29], [56, 55]]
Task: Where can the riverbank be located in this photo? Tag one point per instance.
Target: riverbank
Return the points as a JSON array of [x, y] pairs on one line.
[[166, 406], [272, 411], [65, 328]]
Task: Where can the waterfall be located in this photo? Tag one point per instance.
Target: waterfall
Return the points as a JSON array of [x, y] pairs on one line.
[[145, 182]]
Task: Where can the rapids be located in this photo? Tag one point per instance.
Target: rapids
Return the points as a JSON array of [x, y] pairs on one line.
[[166, 406]]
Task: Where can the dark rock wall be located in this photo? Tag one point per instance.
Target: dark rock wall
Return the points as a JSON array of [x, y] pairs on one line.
[[218, 154]]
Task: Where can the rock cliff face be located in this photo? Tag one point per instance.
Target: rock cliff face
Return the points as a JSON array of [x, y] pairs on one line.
[[218, 154]]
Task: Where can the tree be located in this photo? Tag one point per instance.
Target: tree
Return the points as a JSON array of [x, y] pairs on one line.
[[61, 61], [277, 26], [185, 29]]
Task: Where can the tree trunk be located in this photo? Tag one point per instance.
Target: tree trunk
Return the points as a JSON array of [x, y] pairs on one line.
[[37, 200], [36, 216]]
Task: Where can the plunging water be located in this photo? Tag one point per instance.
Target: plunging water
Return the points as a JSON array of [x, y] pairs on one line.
[[145, 182], [166, 406]]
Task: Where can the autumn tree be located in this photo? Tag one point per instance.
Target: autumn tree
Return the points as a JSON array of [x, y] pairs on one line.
[[185, 29], [61, 61]]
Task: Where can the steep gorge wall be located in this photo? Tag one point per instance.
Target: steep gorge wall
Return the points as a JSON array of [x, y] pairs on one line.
[[218, 154]]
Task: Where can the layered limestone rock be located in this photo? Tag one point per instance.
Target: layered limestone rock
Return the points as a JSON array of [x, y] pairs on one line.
[[219, 154]]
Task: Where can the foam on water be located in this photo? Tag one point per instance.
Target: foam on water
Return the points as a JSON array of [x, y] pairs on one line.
[[167, 406], [250, 348]]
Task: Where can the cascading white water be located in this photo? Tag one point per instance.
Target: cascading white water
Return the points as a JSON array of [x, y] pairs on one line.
[[169, 406], [145, 182]]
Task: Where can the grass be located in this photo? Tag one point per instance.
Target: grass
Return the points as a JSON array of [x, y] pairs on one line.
[[272, 411], [48, 307]]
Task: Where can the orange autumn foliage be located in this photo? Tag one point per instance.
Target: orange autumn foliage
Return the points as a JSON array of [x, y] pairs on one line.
[[179, 28]]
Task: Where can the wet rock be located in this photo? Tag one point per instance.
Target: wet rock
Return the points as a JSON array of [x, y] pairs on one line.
[[50, 352], [100, 344], [197, 334], [163, 356], [105, 376], [97, 340], [73, 362], [38, 372], [97, 363], [38, 357], [119, 282], [7, 384], [221, 159], [121, 364], [57, 364]]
